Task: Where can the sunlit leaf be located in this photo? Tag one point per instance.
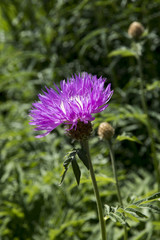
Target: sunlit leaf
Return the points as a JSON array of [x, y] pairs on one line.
[[123, 52], [128, 138]]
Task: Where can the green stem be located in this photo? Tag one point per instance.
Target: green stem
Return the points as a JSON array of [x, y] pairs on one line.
[[85, 146], [149, 125], [115, 174], [117, 184]]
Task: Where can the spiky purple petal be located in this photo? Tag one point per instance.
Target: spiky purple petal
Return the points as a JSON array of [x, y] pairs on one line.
[[75, 100]]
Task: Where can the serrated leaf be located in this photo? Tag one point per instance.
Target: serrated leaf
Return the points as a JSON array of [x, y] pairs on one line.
[[148, 201], [132, 211], [154, 197], [119, 218], [129, 214], [124, 218], [151, 207], [139, 214], [76, 170], [107, 208], [115, 216], [123, 52], [83, 157], [112, 217], [151, 198], [133, 206]]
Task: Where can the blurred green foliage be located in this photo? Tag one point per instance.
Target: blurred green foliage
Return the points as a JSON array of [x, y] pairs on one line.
[[45, 41]]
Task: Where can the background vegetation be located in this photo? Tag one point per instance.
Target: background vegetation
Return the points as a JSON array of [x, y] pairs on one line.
[[45, 41]]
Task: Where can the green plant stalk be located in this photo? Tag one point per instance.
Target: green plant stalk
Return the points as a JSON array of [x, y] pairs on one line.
[[149, 126], [85, 146], [117, 184]]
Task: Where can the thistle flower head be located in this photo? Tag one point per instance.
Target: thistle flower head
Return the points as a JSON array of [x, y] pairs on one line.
[[73, 103]]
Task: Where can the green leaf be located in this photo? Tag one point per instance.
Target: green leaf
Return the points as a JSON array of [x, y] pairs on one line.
[[76, 170], [53, 233], [129, 214], [156, 225], [151, 207], [119, 218], [113, 217], [123, 52], [133, 210], [125, 137], [151, 198], [155, 196], [141, 235], [83, 157], [69, 158], [92, 35], [153, 86], [139, 214], [107, 209], [99, 179], [63, 176]]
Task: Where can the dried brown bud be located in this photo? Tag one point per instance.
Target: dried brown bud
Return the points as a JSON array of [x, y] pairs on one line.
[[105, 131], [82, 131], [135, 30]]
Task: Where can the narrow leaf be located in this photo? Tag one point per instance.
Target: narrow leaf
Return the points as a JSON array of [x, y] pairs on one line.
[[119, 218], [129, 214], [83, 157], [69, 158], [141, 235], [63, 176], [139, 214], [76, 170], [153, 197], [124, 218], [123, 52], [107, 209], [151, 207], [112, 217], [132, 138]]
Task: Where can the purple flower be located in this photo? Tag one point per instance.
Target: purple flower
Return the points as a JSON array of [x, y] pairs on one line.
[[78, 98]]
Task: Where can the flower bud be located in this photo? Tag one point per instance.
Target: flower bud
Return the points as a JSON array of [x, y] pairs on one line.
[[105, 131], [135, 30]]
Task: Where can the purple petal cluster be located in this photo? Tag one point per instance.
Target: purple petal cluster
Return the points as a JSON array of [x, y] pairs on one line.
[[76, 100]]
